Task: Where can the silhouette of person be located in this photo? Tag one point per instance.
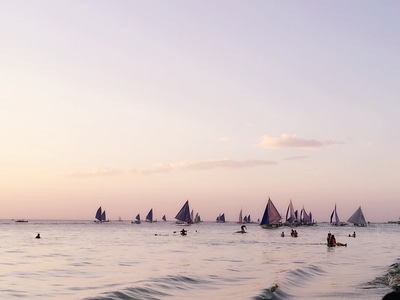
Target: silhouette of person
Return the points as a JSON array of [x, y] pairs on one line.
[[392, 296], [38, 236]]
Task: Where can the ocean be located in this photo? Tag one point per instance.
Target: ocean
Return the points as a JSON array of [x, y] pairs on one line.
[[120, 260]]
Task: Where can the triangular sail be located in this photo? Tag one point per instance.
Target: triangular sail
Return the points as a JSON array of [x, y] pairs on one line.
[[304, 217], [184, 214], [240, 217], [149, 217], [334, 217], [221, 218], [358, 218], [271, 214], [98, 214], [138, 217], [103, 216], [290, 216], [164, 218]]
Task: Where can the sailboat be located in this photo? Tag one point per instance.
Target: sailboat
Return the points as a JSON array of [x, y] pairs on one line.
[[137, 220], [164, 218], [221, 218], [241, 221], [335, 221], [149, 217], [290, 215], [183, 216], [103, 217], [98, 215], [197, 218], [305, 219], [271, 217], [358, 218]]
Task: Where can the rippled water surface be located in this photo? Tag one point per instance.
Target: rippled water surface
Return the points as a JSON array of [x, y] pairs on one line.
[[120, 260]]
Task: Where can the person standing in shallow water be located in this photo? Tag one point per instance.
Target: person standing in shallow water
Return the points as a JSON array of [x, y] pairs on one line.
[[38, 236], [328, 239]]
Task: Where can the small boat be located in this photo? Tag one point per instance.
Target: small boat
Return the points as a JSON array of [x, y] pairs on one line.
[[271, 217], [358, 218], [149, 217], [183, 217], [137, 220], [164, 218], [21, 221]]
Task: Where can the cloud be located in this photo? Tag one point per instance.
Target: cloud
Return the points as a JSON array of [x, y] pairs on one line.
[[292, 141], [296, 157], [204, 165], [98, 172]]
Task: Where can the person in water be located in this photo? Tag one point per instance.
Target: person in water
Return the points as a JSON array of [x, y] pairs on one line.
[[329, 240], [183, 231], [242, 229], [282, 234], [38, 236], [332, 241], [392, 296]]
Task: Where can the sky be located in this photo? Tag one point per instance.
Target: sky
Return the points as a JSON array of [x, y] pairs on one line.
[[132, 105]]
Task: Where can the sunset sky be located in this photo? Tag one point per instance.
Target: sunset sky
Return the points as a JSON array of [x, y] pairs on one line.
[[134, 105]]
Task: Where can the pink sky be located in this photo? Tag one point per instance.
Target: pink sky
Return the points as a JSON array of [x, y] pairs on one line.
[[139, 105]]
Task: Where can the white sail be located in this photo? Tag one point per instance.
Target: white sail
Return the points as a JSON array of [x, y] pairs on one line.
[[358, 218]]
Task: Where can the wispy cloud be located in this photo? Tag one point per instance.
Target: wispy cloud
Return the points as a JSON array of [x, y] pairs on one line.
[[98, 172], [296, 157], [204, 165], [292, 141]]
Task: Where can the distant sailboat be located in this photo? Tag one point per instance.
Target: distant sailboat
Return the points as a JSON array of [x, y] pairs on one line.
[[241, 221], [271, 217], [197, 218], [98, 215], [183, 216], [221, 218], [290, 215], [137, 220], [164, 218], [305, 219], [358, 218], [103, 217], [335, 221], [149, 217]]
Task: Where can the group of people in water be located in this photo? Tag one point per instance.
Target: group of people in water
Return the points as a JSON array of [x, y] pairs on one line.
[[331, 241]]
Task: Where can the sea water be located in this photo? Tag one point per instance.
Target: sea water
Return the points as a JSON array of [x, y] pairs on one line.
[[120, 260]]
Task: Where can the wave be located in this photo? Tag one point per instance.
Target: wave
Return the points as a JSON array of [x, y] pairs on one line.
[[155, 288], [293, 279], [390, 279]]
